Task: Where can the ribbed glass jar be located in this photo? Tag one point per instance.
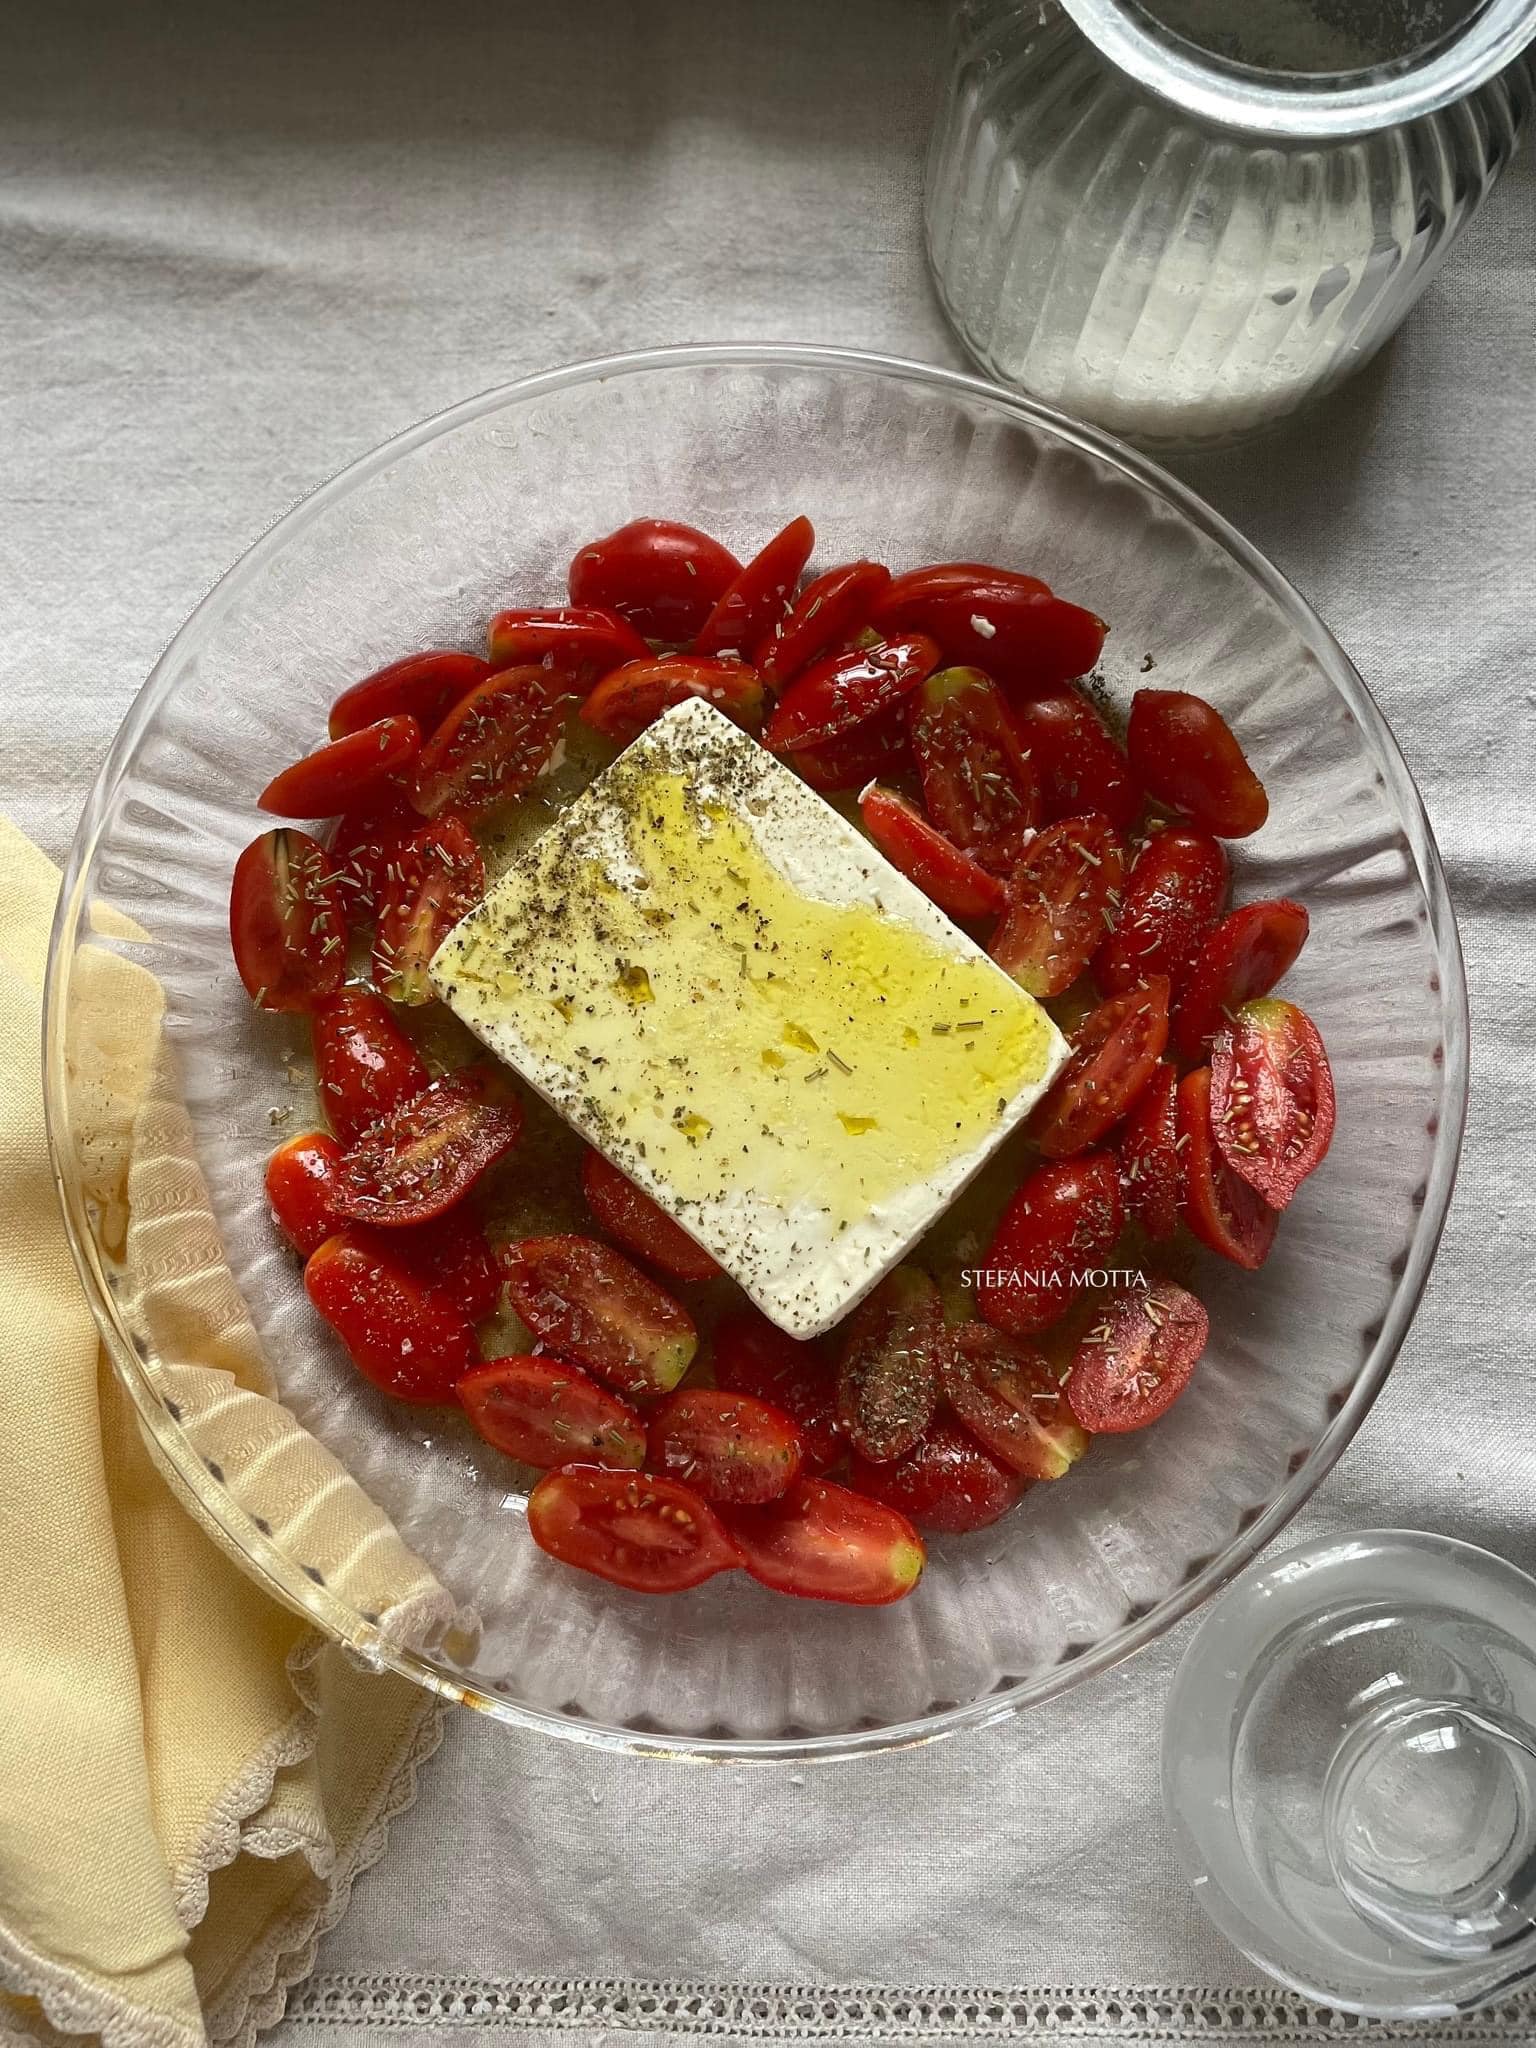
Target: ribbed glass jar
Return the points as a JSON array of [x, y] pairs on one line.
[[1184, 249]]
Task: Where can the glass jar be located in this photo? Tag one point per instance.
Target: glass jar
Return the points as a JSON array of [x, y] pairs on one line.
[[1184, 224]]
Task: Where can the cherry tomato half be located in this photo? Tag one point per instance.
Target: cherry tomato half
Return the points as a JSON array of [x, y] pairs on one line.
[[580, 641], [493, 745], [888, 1371], [347, 774], [1134, 1363], [545, 1413], [640, 1224], [588, 1302], [649, 1535], [408, 1341], [1149, 1156], [438, 877], [1173, 895], [945, 1485], [1012, 626], [876, 748], [1222, 1210], [1058, 903], [1184, 753], [424, 1156], [664, 578], [1061, 1222], [754, 1356], [946, 875], [825, 614], [732, 1447], [839, 693], [1244, 957], [760, 595], [364, 846], [453, 1260], [628, 699], [824, 1542], [301, 1176], [285, 922], [422, 686], [978, 784], [1272, 1102], [364, 1063], [1077, 764], [1113, 1057], [1010, 1398]]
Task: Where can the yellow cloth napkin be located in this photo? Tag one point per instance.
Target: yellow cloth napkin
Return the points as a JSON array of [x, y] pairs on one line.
[[190, 1777]]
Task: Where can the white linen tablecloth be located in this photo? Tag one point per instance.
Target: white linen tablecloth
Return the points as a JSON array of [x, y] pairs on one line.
[[239, 247]]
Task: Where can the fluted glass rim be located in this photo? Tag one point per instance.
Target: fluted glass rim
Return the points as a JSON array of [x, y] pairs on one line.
[[214, 1507]]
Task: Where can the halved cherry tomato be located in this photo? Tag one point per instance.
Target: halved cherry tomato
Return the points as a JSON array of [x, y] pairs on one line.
[[1173, 895], [978, 784], [545, 1413], [1113, 1057], [421, 1158], [588, 1302], [1244, 957], [628, 699], [760, 595], [877, 747], [1184, 753], [825, 614], [452, 1258], [1010, 1398], [438, 878], [493, 745], [364, 1063], [399, 1334], [300, 1178], [422, 686], [1076, 762], [732, 1447], [940, 869], [888, 1371], [1149, 1156], [824, 1542], [581, 641], [640, 1224], [1058, 903], [1063, 1219], [346, 774], [843, 690], [1012, 626], [754, 1356], [1134, 1363], [946, 1485], [1220, 1207], [1272, 1104], [285, 922], [649, 1535], [364, 846], [664, 578]]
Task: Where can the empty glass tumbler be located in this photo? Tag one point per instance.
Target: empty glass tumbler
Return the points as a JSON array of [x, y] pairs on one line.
[[1184, 218]]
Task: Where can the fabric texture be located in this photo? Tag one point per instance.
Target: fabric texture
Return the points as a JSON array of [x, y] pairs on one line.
[[239, 247]]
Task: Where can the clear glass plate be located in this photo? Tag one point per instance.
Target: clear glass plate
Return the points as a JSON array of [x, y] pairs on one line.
[[415, 545]]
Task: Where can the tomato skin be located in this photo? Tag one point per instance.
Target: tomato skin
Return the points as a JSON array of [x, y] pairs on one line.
[[1149, 1156], [422, 686], [1057, 902], [346, 773], [754, 1356], [1134, 1363], [545, 1413], [640, 1224], [1063, 1219], [1036, 642], [300, 1177], [1223, 1211], [945, 1485], [825, 614], [825, 1542], [732, 1448], [364, 1063], [841, 691], [409, 1342], [286, 926], [888, 1371], [1184, 752], [978, 785], [863, 754], [588, 1302], [453, 1260], [1113, 1057], [579, 641], [364, 845], [1272, 1100], [1243, 958], [664, 578], [1173, 895], [438, 878], [1010, 1399], [1078, 765], [946, 875], [760, 595], [425, 1155], [629, 699], [493, 745], [646, 1534]]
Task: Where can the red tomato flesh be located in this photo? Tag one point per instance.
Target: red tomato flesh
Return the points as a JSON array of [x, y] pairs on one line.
[[760, 596], [544, 1413], [1058, 1226], [1272, 1100], [364, 846], [1185, 754], [840, 692], [1012, 626], [629, 699], [754, 1356], [588, 1302], [581, 642], [876, 748], [663, 577], [647, 1534], [1077, 764], [493, 745], [732, 1447], [945, 874], [1058, 900], [453, 1260], [1243, 958], [946, 1485], [347, 774], [1113, 1057], [438, 878], [1134, 1363], [640, 1224], [1149, 1156], [1173, 895], [364, 1063], [427, 1154], [1010, 1398], [1222, 1210], [825, 614], [824, 1542], [408, 1341], [300, 1178], [888, 1371], [285, 922], [978, 784], [422, 686]]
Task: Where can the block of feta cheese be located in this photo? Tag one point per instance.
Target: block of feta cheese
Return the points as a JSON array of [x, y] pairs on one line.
[[723, 986]]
